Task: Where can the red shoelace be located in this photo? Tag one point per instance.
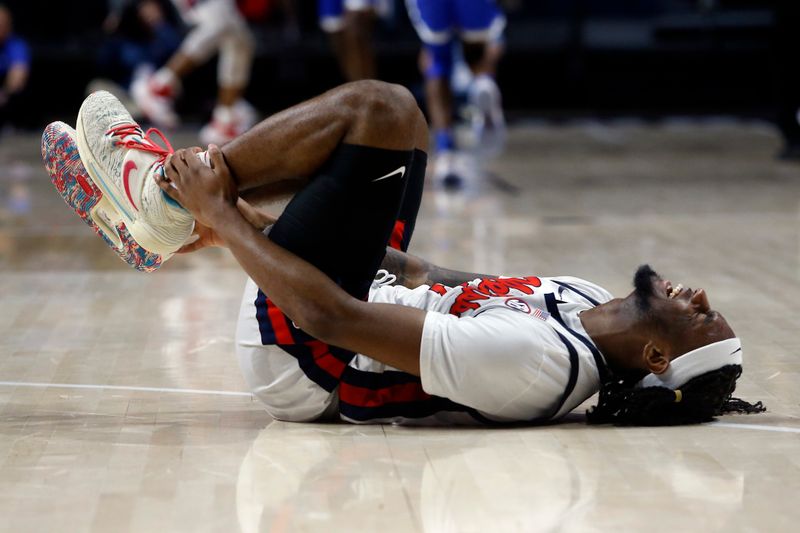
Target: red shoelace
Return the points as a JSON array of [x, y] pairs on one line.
[[145, 143]]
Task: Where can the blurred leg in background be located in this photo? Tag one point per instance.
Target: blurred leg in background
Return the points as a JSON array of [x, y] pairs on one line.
[[217, 26], [479, 25], [140, 38], [350, 26]]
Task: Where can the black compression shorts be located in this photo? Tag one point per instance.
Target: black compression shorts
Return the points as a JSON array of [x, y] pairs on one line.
[[360, 201]]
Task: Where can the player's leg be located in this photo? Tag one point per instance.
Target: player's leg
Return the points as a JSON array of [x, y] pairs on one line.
[[155, 94], [357, 165], [232, 115], [279, 155], [359, 53], [294, 144], [341, 221], [296, 377], [330, 14], [482, 24], [433, 21]]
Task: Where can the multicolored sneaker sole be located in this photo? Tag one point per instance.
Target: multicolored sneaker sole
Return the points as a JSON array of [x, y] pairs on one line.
[[61, 159]]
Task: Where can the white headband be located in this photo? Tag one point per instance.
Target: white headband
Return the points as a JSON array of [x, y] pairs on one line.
[[695, 363]]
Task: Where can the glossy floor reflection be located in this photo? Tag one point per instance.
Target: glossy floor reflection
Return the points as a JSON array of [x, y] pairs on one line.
[[122, 408]]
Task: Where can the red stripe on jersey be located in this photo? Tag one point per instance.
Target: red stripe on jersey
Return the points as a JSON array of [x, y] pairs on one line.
[[283, 335], [396, 241], [323, 358], [364, 397]]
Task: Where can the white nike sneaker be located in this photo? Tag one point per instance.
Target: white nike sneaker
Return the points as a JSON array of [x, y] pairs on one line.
[[155, 99], [122, 160], [488, 121]]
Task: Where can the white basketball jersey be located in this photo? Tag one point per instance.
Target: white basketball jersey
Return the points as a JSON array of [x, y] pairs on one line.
[[512, 349]]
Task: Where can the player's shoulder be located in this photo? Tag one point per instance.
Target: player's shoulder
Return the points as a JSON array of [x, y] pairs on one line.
[[592, 290]]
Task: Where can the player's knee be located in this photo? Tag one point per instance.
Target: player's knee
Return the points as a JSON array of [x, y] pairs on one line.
[[383, 101], [382, 112]]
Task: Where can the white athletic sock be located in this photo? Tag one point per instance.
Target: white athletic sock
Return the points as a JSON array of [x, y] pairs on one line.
[[204, 158]]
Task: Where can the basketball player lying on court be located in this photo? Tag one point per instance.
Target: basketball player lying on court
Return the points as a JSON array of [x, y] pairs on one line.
[[320, 336]]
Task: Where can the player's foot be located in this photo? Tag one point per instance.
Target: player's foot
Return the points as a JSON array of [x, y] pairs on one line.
[[122, 159], [246, 113], [155, 97], [61, 159], [227, 123], [488, 121], [445, 171]]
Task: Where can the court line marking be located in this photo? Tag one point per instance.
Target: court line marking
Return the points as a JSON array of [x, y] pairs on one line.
[[121, 388], [757, 427]]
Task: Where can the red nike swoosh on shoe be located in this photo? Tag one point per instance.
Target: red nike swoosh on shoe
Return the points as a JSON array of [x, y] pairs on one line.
[[126, 172]]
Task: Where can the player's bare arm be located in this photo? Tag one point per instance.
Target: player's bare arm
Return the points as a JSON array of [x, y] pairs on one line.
[[413, 271], [389, 333], [204, 236]]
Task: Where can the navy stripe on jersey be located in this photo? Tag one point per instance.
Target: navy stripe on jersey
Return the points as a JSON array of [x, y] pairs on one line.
[[264, 326], [578, 292], [409, 410], [552, 308], [321, 363], [269, 331], [305, 360], [574, 367], [379, 380]]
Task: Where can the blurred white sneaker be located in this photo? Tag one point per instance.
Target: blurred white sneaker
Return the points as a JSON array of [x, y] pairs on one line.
[[227, 123], [445, 171], [246, 113], [155, 95], [121, 160], [488, 121]]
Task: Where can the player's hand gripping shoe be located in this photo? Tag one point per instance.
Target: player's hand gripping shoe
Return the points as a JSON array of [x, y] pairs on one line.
[[60, 155], [121, 160]]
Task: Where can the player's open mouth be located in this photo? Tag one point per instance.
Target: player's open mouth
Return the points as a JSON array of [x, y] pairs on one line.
[[673, 292]]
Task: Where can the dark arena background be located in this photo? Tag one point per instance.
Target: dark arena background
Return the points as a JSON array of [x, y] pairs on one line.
[[563, 57]]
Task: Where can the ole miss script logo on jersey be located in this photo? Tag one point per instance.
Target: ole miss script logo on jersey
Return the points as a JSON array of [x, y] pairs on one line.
[[471, 296]]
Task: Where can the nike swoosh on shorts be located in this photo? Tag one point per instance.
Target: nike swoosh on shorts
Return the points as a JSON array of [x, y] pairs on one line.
[[401, 171]]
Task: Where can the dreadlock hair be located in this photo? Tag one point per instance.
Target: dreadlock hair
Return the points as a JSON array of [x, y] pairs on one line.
[[699, 400]]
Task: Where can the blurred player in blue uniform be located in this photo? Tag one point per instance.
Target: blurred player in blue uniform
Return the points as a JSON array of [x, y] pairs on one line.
[[479, 25], [15, 65]]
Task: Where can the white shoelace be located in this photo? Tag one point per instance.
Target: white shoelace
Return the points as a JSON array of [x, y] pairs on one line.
[[383, 277]]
